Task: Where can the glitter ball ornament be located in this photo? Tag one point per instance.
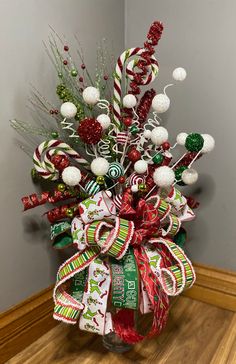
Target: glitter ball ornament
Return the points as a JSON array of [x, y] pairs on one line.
[[159, 135], [129, 101], [181, 138], [194, 142], [68, 110], [71, 176], [115, 170], [60, 161], [189, 176], [209, 143], [104, 120], [91, 95], [90, 131], [99, 166], [134, 155], [140, 166], [161, 103], [164, 176], [158, 158], [147, 134], [178, 174], [179, 74], [134, 188]]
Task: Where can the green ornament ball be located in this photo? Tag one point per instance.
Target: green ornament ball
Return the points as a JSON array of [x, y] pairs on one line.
[[61, 187], [100, 180], [69, 212], [158, 158], [142, 187], [54, 134], [134, 129], [60, 74], [178, 175], [194, 142], [74, 73]]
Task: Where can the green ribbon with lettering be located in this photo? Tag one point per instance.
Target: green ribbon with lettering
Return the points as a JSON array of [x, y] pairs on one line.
[[61, 235], [78, 284], [125, 283]]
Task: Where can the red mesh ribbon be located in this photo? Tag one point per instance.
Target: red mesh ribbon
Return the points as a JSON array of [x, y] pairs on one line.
[[123, 321]]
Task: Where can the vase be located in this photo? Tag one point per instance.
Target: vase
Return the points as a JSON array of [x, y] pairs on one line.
[[115, 344]]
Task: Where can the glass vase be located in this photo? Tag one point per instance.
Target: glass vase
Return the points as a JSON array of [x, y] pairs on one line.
[[115, 344]]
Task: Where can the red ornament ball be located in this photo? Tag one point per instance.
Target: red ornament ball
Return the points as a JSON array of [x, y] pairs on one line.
[[66, 48], [165, 146], [83, 66], [128, 121], [90, 131], [134, 155], [60, 162], [121, 179], [65, 62]]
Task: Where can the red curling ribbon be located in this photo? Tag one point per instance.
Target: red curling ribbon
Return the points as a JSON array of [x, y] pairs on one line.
[[192, 202], [34, 200], [60, 212], [123, 320]]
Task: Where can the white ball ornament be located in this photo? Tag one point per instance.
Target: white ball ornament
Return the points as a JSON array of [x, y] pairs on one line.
[[161, 103], [164, 176], [209, 143], [159, 135], [71, 176], [181, 138], [99, 166], [147, 134], [179, 74], [189, 176], [129, 101], [140, 166], [134, 188], [91, 95], [104, 120], [68, 110]]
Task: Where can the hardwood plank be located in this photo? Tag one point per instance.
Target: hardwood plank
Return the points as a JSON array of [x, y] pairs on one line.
[[194, 334], [24, 323]]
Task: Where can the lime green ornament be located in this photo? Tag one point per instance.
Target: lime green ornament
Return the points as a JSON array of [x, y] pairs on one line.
[[178, 174], [69, 212], [157, 159], [74, 73], [54, 134], [194, 142], [142, 187], [60, 74], [61, 187], [100, 180]]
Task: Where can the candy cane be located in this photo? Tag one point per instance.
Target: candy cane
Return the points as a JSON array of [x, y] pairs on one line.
[[152, 69], [44, 153]]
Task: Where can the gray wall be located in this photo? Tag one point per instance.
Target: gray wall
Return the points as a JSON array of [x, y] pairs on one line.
[[200, 36], [27, 263]]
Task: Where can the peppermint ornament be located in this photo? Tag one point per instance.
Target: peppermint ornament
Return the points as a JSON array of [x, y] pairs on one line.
[[194, 142], [92, 187], [71, 176], [161, 103], [115, 170]]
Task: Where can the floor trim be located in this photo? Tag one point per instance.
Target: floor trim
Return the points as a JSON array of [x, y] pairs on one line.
[[25, 323], [214, 286]]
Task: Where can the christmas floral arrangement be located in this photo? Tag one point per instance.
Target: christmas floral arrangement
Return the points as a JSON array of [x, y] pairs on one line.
[[116, 192]]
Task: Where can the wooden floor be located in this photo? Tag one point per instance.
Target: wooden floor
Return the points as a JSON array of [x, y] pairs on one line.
[[196, 333]]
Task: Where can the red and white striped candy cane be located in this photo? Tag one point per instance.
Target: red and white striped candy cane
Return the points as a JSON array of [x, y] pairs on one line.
[[44, 153], [149, 77]]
